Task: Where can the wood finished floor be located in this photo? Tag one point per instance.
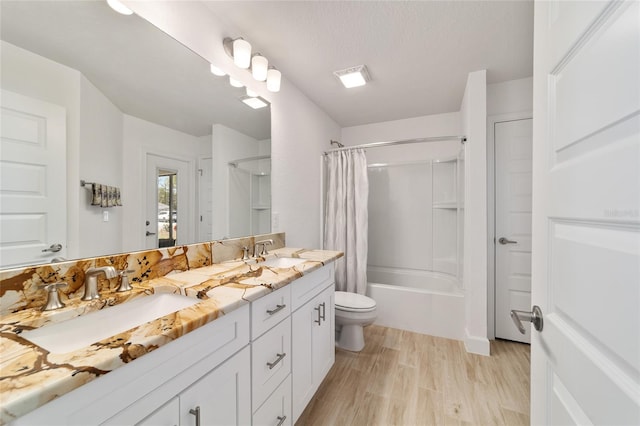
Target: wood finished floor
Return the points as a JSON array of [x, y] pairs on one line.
[[405, 378]]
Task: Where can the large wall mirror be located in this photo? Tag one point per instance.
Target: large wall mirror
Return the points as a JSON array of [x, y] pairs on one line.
[[91, 95]]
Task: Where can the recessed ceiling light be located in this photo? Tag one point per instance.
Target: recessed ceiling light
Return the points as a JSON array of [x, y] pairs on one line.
[[119, 7], [353, 77], [255, 103]]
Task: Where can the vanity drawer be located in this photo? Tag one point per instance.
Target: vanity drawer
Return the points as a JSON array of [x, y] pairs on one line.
[[269, 310], [270, 361], [276, 410], [305, 288]]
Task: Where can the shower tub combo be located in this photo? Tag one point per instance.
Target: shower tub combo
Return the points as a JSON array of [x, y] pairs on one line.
[[424, 302]]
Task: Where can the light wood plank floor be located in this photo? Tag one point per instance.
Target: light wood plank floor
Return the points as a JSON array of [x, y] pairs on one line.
[[405, 378]]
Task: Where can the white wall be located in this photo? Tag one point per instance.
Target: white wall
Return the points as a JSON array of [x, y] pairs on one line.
[[100, 161], [139, 138], [510, 97], [300, 130], [474, 118]]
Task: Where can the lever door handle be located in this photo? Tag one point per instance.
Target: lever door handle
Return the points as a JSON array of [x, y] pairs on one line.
[[54, 248], [504, 240], [150, 233], [535, 317]]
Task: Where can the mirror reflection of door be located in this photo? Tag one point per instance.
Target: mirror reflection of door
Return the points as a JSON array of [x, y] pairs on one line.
[[167, 207], [169, 196]]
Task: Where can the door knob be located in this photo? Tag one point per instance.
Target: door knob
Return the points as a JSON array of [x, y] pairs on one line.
[[54, 248], [150, 233], [504, 240], [535, 317]]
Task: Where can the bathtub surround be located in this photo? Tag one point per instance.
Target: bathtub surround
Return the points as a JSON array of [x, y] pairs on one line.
[[32, 376], [346, 216], [461, 313]]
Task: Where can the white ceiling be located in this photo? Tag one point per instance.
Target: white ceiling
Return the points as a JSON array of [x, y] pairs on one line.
[[418, 52]]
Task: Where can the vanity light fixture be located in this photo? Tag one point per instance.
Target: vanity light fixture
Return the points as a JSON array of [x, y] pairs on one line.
[[254, 102], [273, 79], [119, 7], [217, 71], [240, 50], [251, 93], [353, 76], [234, 82], [259, 66]]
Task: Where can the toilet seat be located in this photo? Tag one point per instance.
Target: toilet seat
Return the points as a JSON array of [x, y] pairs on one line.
[[353, 302]]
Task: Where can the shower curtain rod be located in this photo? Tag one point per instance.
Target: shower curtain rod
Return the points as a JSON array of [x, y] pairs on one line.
[[462, 139], [234, 163]]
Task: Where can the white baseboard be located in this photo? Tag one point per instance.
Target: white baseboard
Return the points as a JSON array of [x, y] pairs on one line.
[[476, 344]]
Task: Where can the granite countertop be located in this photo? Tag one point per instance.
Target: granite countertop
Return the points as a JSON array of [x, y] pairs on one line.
[[30, 376]]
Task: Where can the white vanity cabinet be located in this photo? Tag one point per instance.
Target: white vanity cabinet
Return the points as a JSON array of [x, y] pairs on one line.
[[313, 335], [260, 364], [221, 397]]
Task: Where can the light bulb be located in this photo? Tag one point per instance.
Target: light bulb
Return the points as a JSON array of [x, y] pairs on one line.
[[241, 53], [234, 82], [217, 71], [259, 65], [251, 93], [273, 80], [119, 7]]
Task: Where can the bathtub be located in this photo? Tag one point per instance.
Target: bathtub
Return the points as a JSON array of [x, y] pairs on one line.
[[423, 302]]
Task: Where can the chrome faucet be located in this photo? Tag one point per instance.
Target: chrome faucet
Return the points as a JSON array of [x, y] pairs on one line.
[[91, 281], [264, 251]]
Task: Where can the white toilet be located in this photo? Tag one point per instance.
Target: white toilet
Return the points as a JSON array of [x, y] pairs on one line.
[[353, 312]]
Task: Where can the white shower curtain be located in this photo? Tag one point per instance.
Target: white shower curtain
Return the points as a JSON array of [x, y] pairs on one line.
[[346, 217]]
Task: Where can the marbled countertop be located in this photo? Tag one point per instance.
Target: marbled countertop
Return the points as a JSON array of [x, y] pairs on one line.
[[30, 376]]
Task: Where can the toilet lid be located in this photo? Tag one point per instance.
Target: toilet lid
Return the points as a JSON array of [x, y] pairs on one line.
[[353, 301]]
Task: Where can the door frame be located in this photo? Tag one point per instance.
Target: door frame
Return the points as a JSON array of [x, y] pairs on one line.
[[492, 120], [189, 237]]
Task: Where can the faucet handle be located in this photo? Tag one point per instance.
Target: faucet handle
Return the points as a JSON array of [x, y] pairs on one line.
[[53, 296], [245, 253], [264, 244], [124, 280]]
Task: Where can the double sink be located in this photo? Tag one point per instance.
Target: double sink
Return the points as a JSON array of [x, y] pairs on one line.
[[82, 331]]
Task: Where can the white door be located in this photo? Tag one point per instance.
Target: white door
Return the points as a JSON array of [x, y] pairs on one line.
[[182, 223], [33, 201], [585, 363], [513, 225]]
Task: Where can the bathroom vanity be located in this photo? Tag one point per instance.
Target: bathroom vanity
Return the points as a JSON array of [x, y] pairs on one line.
[[253, 350]]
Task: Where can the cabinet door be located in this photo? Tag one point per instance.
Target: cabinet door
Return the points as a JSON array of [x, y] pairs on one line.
[[167, 415], [323, 337], [222, 397], [313, 343]]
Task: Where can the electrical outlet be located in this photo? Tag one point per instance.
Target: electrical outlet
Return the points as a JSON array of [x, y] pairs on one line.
[[105, 215]]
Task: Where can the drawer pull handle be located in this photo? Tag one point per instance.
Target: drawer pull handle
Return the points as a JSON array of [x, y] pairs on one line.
[[277, 309], [196, 413], [274, 363], [282, 419], [323, 312], [319, 320]]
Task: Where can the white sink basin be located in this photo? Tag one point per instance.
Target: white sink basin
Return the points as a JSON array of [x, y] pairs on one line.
[[282, 262], [82, 331]]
